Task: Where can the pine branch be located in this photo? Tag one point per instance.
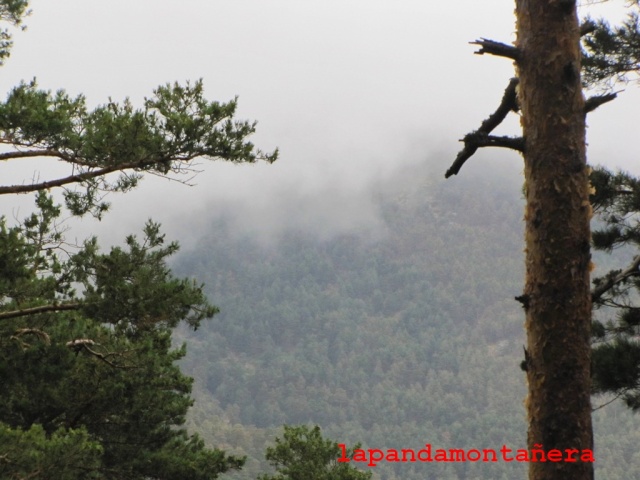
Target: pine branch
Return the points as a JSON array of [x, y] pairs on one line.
[[175, 126], [41, 309], [78, 178], [496, 48], [481, 138], [30, 331], [632, 270], [589, 26], [80, 344], [35, 153], [618, 395]]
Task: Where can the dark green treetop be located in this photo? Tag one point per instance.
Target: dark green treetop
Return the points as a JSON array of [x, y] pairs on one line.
[[611, 53], [304, 454], [86, 357]]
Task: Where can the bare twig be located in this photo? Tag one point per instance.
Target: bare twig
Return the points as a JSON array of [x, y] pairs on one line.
[[483, 140], [612, 400], [632, 270], [23, 312], [34, 153], [77, 178], [478, 138], [30, 331], [85, 344], [496, 48]]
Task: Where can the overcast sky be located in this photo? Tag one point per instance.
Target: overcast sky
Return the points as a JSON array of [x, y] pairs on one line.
[[349, 90]]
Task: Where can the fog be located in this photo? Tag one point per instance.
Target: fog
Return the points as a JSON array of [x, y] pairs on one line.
[[353, 93]]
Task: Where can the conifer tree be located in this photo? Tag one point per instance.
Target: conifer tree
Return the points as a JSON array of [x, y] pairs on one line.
[[303, 454], [547, 93], [90, 385]]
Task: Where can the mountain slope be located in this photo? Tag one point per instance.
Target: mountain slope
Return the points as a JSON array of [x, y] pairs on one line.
[[406, 336]]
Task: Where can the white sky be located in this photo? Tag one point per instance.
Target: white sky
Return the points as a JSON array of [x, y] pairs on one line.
[[350, 90]]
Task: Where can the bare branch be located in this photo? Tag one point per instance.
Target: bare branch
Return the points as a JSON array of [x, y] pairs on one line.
[[632, 270], [478, 138], [34, 153], [78, 178], [80, 344], [594, 102], [496, 48], [618, 395], [514, 143], [32, 331], [37, 310]]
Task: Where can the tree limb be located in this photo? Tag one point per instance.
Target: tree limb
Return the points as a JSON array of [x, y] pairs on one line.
[[30, 331], [478, 138], [632, 270], [41, 309], [78, 178], [594, 102], [80, 344], [34, 153], [618, 395], [496, 48]]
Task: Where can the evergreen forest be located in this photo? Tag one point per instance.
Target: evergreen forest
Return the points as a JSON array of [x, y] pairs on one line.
[[382, 312], [407, 336]]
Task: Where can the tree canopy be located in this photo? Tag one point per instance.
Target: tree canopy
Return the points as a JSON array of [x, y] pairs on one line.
[[91, 387], [175, 126]]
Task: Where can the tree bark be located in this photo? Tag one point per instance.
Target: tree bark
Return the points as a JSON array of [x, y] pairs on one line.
[[557, 216]]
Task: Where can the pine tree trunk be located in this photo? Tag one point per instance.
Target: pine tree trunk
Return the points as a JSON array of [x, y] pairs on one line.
[[556, 296]]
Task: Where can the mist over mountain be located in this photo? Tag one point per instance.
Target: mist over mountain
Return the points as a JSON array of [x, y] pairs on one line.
[[358, 289], [395, 328], [324, 199]]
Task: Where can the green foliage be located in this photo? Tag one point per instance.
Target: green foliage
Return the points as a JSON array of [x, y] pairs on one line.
[[408, 337], [28, 259], [303, 454], [175, 126], [396, 339], [90, 382], [616, 367], [12, 13], [616, 329], [611, 54], [63, 455], [616, 198], [128, 288], [97, 357], [133, 289]]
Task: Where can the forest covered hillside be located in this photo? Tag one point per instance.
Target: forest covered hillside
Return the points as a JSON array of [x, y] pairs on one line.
[[394, 338]]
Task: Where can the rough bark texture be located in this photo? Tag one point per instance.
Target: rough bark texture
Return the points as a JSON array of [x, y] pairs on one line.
[[557, 235]]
